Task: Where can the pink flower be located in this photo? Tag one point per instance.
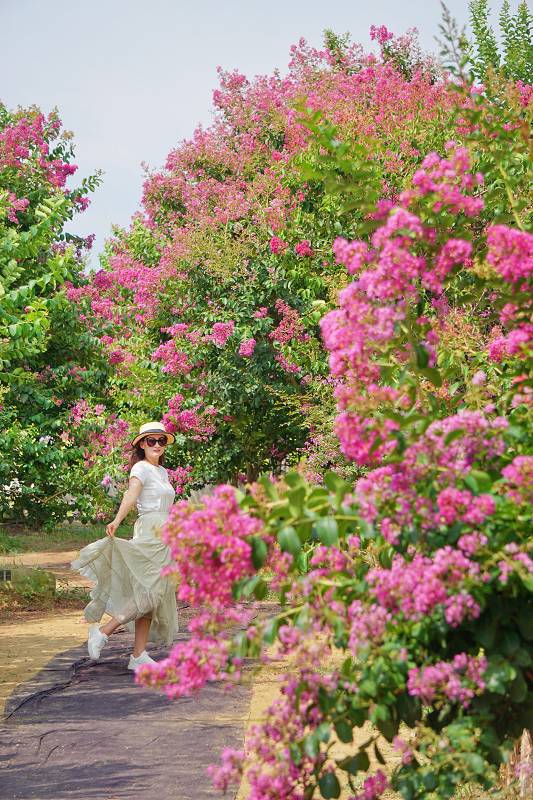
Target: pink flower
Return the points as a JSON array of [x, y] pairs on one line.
[[220, 332], [510, 252], [277, 245], [459, 680], [303, 249], [209, 547], [247, 348]]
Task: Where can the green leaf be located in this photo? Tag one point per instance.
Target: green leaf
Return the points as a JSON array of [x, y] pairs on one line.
[[355, 764], [525, 623], [482, 479], [259, 551], [293, 479], [378, 754], [344, 731], [499, 675], [261, 590], [270, 631], [269, 487], [422, 356], [519, 691], [336, 484], [329, 786], [485, 631], [388, 728], [432, 374], [327, 530], [475, 762], [296, 499], [289, 540], [312, 745]]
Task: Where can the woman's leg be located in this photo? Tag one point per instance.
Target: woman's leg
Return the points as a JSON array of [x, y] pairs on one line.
[[142, 629], [110, 627]]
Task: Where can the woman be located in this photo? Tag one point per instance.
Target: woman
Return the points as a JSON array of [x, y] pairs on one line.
[[129, 585]]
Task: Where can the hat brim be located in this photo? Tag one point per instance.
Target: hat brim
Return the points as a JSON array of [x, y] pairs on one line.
[[170, 436]]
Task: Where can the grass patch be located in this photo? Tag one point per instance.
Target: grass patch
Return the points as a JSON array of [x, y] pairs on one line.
[[38, 590], [67, 537]]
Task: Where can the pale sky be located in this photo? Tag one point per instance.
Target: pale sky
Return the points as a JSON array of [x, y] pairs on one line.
[[131, 78]]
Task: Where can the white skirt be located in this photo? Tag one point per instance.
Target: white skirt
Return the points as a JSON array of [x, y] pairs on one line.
[[129, 585]]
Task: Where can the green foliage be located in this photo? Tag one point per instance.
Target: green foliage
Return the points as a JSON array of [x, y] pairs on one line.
[[47, 358], [515, 58]]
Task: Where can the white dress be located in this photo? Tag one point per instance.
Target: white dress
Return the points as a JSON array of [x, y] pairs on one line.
[[127, 572]]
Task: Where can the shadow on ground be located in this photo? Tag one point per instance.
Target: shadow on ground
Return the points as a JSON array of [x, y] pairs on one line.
[[84, 730]]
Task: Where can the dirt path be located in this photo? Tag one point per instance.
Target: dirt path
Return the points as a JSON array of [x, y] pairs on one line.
[[57, 562], [28, 644], [52, 693], [85, 730], [32, 639]]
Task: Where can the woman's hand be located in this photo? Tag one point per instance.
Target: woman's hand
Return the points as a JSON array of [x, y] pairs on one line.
[[111, 528]]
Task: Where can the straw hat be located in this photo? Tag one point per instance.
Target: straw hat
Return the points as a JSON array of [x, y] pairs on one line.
[[153, 427]]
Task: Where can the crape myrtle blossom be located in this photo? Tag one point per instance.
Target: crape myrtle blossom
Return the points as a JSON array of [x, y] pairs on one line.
[[209, 547], [247, 347], [384, 573], [415, 588], [197, 421], [373, 787], [510, 252], [519, 479], [458, 681]]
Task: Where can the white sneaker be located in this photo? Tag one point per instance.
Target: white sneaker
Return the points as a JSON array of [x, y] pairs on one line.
[[97, 640], [144, 658]]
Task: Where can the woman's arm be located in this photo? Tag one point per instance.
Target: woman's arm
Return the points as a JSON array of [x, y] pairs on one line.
[[128, 501]]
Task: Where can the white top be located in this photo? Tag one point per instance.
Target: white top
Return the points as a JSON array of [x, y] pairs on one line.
[[157, 494]]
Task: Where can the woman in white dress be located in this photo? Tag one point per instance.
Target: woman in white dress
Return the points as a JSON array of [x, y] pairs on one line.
[[129, 586]]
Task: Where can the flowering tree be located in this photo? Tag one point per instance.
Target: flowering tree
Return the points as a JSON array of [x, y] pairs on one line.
[[407, 595], [208, 306], [46, 356]]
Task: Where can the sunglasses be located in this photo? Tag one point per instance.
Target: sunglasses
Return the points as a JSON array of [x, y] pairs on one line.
[[151, 441]]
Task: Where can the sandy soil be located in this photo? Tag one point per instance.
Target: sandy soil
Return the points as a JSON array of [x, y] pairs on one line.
[[266, 687], [31, 639], [30, 642], [56, 562]]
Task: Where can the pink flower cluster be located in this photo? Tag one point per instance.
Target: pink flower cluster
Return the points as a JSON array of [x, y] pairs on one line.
[[277, 245], [367, 624], [373, 787], [196, 422], [24, 146], [15, 204], [220, 332], [519, 479], [247, 347], [448, 181], [415, 588], [458, 681], [179, 478], [403, 260], [189, 666], [393, 496], [290, 325], [304, 249], [510, 252], [460, 505], [175, 361], [209, 547], [229, 771], [271, 774]]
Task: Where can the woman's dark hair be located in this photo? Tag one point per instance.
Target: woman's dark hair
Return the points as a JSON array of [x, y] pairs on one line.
[[137, 454]]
